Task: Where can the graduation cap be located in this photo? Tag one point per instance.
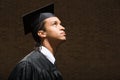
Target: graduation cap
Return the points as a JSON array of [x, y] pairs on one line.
[[32, 20]]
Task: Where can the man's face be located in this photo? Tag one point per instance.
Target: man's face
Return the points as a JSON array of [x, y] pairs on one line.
[[54, 30]]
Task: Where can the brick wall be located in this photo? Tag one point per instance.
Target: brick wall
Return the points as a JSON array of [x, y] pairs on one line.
[[91, 51]]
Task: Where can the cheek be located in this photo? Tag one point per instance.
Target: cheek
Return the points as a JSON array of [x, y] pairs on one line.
[[53, 32]]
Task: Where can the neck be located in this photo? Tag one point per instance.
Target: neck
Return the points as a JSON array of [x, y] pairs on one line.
[[51, 46]]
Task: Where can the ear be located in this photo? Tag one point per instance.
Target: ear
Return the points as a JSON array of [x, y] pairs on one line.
[[41, 33]]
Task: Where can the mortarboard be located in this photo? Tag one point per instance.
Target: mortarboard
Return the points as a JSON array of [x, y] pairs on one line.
[[32, 19]]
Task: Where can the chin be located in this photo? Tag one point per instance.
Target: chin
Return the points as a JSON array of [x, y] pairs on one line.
[[63, 39]]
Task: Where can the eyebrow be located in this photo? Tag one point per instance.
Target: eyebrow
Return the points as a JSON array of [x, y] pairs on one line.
[[58, 21]]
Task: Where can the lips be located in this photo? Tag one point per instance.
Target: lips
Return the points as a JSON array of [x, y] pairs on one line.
[[63, 33]]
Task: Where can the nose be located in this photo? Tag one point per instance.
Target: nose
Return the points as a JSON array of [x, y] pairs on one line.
[[62, 28]]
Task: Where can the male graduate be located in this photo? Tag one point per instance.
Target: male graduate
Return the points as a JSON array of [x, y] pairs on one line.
[[48, 33]]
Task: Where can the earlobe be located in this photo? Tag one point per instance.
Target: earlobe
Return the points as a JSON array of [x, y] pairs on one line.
[[41, 33]]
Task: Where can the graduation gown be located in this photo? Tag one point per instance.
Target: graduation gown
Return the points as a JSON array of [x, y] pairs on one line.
[[35, 66]]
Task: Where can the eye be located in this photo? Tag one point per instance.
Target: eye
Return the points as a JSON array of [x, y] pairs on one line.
[[55, 23]]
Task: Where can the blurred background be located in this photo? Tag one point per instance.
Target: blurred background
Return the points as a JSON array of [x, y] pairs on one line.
[[92, 49]]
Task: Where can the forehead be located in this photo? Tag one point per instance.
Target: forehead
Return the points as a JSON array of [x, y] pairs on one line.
[[52, 19]]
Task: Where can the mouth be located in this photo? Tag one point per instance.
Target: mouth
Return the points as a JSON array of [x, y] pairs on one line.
[[63, 33]]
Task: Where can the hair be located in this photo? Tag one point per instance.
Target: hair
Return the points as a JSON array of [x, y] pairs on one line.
[[37, 38]]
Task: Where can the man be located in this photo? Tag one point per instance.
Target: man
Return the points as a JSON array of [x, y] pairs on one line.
[[48, 33]]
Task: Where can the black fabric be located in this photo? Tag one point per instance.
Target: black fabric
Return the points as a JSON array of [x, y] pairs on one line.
[[35, 66], [45, 15], [32, 19]]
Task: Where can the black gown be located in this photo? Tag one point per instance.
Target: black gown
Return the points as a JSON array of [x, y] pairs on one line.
[[35, 66]]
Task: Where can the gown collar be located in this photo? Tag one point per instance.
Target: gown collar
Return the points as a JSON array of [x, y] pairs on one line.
[[47, 54]]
